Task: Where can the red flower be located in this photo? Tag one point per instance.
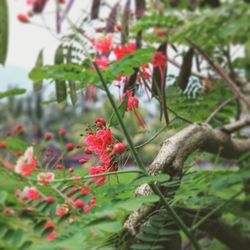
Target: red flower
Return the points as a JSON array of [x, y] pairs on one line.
[[100, 141], [158, 59], [86, 208], [62, 132], [50, 199], [19, 129], [3, 144], [52, 235], [59, 166], [23, 18], [87, 151], [81, 161], [8, 211], [31, 193], [79, 203], [45, 177], [27, 163], [61, 210], [98, 170], [103, 44], [119, 147], [102, 62], [48, 136], [69, 146], [100, 122], [121, 51], [8, 133], [71, 170], [132, 105], [132, 102], [84, 191]]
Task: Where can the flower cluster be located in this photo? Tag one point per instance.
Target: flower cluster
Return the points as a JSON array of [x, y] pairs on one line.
[[102, 143], [26, 163]]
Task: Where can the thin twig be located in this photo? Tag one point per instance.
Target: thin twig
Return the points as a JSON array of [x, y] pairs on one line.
[[223, 74], [218, 109]]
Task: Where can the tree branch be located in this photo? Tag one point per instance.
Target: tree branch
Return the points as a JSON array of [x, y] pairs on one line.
[[177, 148]]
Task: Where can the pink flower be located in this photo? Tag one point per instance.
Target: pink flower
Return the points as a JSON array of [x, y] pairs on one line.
[[45, 177], [31, 193], [23, 18], [103, 44], [102, 62], [52, 235], [27, 163], [123, 50], [86, 208], [61, 210]]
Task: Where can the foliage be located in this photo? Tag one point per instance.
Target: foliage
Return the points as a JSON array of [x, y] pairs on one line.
[[61, 190]]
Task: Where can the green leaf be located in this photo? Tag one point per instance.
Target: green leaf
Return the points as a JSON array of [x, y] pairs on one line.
[[72, 92], [47, 231], [37, 85], [121, 109], [39, 226], [26, 245], [150, 230], [61, 87], [3, 196], [8, 235], [147, 238], [60, 72], [134, 203], [149, 179], [142, 246], [15, 144], [109, 227], [12, 92], [17, 237], [4, 30]]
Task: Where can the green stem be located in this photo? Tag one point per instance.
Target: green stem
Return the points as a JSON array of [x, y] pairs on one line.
[[139, 162], [91, 176], [152, 138]]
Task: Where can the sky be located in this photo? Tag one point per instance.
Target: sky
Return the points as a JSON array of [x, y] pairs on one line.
[[26, 40]]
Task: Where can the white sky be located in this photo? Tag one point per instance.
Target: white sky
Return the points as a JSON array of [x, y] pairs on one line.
[[26, 40]]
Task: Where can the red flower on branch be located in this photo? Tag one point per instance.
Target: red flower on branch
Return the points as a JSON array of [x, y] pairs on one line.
[[103, 44], [123, 50], [159, 59]]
